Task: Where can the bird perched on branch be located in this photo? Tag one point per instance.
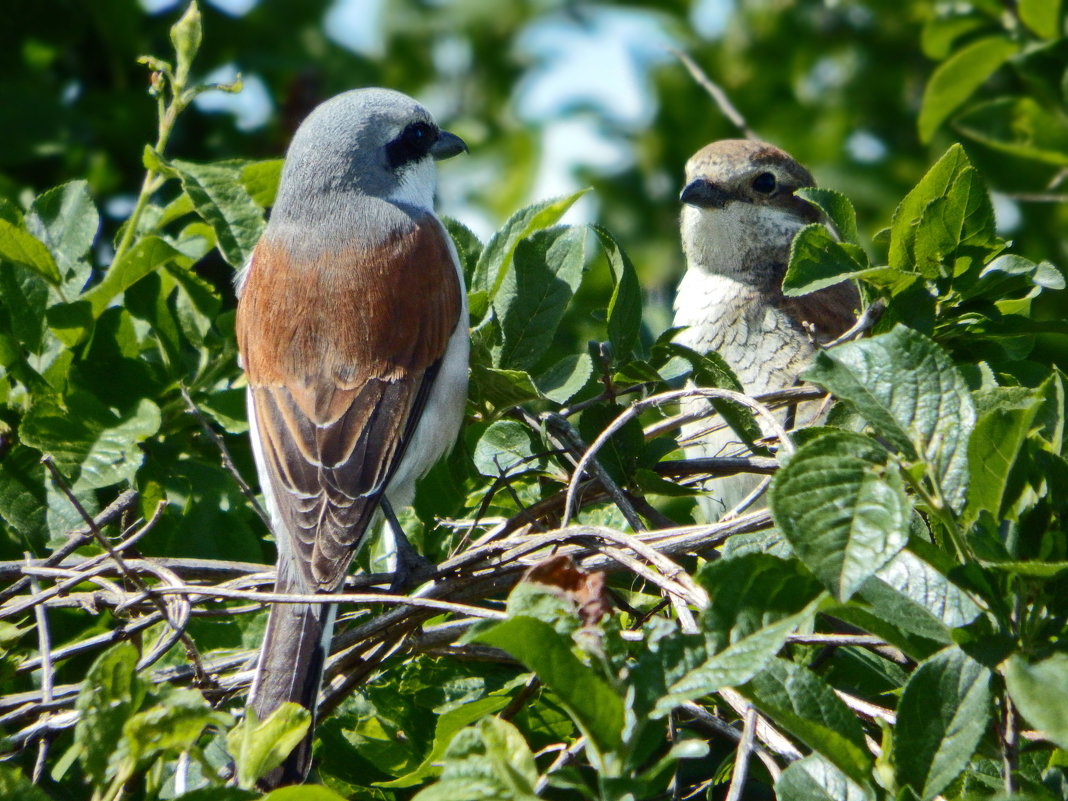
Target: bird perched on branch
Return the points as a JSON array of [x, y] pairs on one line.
[[739, 218], [352, 328]]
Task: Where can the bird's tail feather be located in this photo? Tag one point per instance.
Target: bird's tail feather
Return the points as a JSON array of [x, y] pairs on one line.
[[290, 668]]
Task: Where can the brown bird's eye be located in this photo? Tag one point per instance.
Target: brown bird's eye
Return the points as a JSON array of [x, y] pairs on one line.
[[764, 183]]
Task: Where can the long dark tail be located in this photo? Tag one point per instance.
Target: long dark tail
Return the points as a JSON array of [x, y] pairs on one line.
[[290, 668]]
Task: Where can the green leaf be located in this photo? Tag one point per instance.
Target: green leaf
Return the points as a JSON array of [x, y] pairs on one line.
[[13, 785], [496, 258], [1018, 126], [1040, 692], [957, 78], [625, 306], [948, 208], [505, 448], [24, 295], [837, 208], [995, 443], [303, 792], [66, 220], [566, 378], [224, 204], [261, 179], [593, 704], [109, 696], [946, 26], [259, 747], [908, 388], [806, 706], [735, 664], [468, 246], [942, 715], [445, 728], [817, 261], [94, 446], [841, 504], [20, 247], [750, 591], [502, 389], [532, 298], [170, 727], [149, 254], [488, 761], [914, 595], [813, 778], [1041, 16]]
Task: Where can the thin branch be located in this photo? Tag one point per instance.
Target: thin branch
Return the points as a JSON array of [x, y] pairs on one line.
[[719, 97], [79, 537], [637, 407], [867, 319], [44, 644], [741, 759], [133, 577], [227, 460]]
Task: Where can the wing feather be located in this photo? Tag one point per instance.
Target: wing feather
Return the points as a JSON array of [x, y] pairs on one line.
[[341, 352]]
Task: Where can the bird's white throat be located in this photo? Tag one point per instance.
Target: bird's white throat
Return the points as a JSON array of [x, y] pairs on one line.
[[417, 185], [737, 239]]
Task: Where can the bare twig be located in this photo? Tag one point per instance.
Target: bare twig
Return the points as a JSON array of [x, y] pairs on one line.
[[227, 460], [741, 759], [637, 407], [719, 97], [78, 537], [44, 644], [867, 319], [133, 577]]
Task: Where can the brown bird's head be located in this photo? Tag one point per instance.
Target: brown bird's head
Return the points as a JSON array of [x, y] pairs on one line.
[[740, 213]]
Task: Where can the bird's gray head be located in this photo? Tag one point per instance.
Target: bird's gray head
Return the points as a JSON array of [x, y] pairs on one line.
[[376, 143], [739, 208]]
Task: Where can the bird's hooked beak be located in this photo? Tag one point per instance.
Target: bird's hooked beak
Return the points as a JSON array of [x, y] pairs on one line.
[[702, 192], [447, 146]]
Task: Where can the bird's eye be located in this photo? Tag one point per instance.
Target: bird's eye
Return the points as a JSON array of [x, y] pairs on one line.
[[418, 133], [764, 183]]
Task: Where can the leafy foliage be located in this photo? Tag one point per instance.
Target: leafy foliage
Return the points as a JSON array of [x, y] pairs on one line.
[[898, 622]]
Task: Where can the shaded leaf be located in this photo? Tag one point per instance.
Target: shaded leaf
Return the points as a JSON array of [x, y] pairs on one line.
[[910, 391], [1040, 691], [958, 77], [817, 261], [594, 705], [841, 504], [625, 305], [838, 209], [108, 697], [942, 715], [496, 256], [803, 704], [259, 747], [813, 778], [1018, 126], [531, 300], [223, 202]]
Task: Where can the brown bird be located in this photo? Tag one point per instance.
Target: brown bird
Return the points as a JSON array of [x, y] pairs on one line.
[[739, 218]]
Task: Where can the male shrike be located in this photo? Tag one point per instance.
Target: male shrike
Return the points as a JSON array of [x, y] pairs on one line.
[[353, 333], [739, 218]]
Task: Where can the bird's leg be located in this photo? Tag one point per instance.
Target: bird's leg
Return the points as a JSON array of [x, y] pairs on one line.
[[412, 567]]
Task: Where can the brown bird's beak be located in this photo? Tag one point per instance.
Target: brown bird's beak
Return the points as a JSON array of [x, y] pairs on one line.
[[704, 193], [447, 146]]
